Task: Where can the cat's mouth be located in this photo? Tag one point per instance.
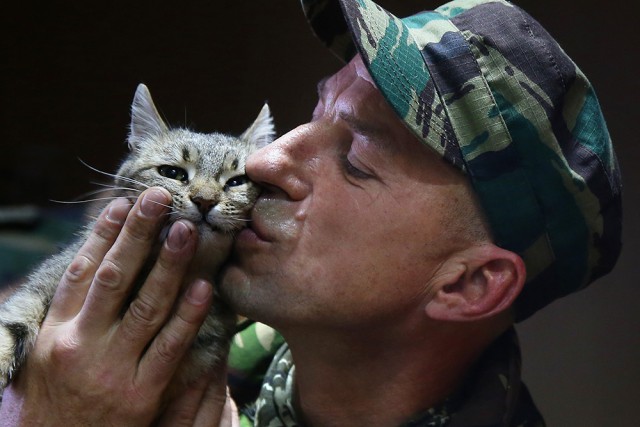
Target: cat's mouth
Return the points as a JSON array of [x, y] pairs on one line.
[[208, 224], [212, 227], [219, 226], [204, 227]]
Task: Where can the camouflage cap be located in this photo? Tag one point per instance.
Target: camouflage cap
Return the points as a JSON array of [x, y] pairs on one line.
[[483, 84]]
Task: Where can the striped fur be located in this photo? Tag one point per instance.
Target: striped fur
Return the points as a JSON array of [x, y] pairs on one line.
[[205, 175]]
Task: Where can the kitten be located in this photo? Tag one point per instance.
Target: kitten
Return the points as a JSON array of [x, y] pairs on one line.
[[205, 175]]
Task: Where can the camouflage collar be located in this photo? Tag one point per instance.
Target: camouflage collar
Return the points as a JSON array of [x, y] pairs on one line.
[[492, 394]]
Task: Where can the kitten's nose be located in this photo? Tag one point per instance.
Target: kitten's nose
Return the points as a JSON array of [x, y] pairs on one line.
[[204, 205]]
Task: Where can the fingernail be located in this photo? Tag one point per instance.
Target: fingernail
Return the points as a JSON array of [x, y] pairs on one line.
[[198, 292], [118, 210], [154, 203], [179, 235]]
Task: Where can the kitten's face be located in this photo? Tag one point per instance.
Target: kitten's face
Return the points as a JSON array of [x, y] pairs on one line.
[[203, 172]]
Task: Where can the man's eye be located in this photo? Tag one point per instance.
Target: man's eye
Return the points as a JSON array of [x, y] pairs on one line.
[[354, 171], [173, 172], [236, 181]]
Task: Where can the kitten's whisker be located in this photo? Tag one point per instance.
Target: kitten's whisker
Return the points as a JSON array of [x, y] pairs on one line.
[[239, 218], [115, 187], [162, 204], [124, 178], [83, 197], [131, 180], [75, 202], [105, 190]]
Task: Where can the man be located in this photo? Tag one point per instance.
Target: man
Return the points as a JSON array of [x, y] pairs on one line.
[[456, 176]]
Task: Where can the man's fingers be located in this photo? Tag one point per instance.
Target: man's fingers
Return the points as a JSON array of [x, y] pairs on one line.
[[122, 263], [183, 410], [74, 285], [211, 413], [206, 403], [165, 353], [151, 307]]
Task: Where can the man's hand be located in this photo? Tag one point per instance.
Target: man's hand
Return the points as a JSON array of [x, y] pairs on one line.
[[206, 403], [93, 366]]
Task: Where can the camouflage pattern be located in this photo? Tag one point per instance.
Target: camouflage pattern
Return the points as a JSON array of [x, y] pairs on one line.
[[492, 394], [274, 407], [250, 355], [484, 85]]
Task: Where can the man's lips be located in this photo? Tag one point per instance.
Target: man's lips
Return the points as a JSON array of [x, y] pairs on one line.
[[256, 227], [272, 218], [261, 218]]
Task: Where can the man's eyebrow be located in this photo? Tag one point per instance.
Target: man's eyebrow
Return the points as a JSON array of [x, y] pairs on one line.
[[363, 127], [372, 131]]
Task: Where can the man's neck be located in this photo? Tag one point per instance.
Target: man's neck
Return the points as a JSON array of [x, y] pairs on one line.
[[350, 379]]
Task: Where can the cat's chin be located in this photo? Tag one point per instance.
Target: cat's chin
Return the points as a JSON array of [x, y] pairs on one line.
[[209, 237], [213, 249]]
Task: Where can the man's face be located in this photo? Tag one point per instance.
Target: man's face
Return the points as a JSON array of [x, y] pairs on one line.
[[352, 222]]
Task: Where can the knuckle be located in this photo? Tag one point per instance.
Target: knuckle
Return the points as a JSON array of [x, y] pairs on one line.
[[189, 318], [143, 312], [170, 264], [63, 351], [105, 231], [109, 276], [140, 229], [169, 349], [78, 271]]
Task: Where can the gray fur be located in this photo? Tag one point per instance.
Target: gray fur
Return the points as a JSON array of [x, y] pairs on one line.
[[211, 197]]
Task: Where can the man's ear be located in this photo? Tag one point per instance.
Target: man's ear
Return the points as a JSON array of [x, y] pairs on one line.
[[476, 283]]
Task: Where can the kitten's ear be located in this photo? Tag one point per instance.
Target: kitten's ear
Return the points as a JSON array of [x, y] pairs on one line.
[[262, 131], [145, 119]]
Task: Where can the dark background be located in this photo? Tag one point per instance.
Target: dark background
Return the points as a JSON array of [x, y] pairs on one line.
[[68, 71]]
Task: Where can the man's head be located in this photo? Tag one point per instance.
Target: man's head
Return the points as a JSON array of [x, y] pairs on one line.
[[427, 175], [484, 85], [363, 228]]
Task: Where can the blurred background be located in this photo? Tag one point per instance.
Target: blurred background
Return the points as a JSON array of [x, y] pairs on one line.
[[68, 71]]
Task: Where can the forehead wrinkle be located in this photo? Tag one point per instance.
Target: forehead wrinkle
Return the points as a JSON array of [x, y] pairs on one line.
[[351, 96], [371, 131], [360, 126]]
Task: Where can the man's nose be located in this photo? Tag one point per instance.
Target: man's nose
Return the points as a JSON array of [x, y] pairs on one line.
[[282, 163]]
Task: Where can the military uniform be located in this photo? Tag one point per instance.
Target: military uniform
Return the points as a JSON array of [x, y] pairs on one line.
[[492, 393]]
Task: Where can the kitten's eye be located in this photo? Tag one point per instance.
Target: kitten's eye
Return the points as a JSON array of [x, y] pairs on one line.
[[173, 172], [236, 181]]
